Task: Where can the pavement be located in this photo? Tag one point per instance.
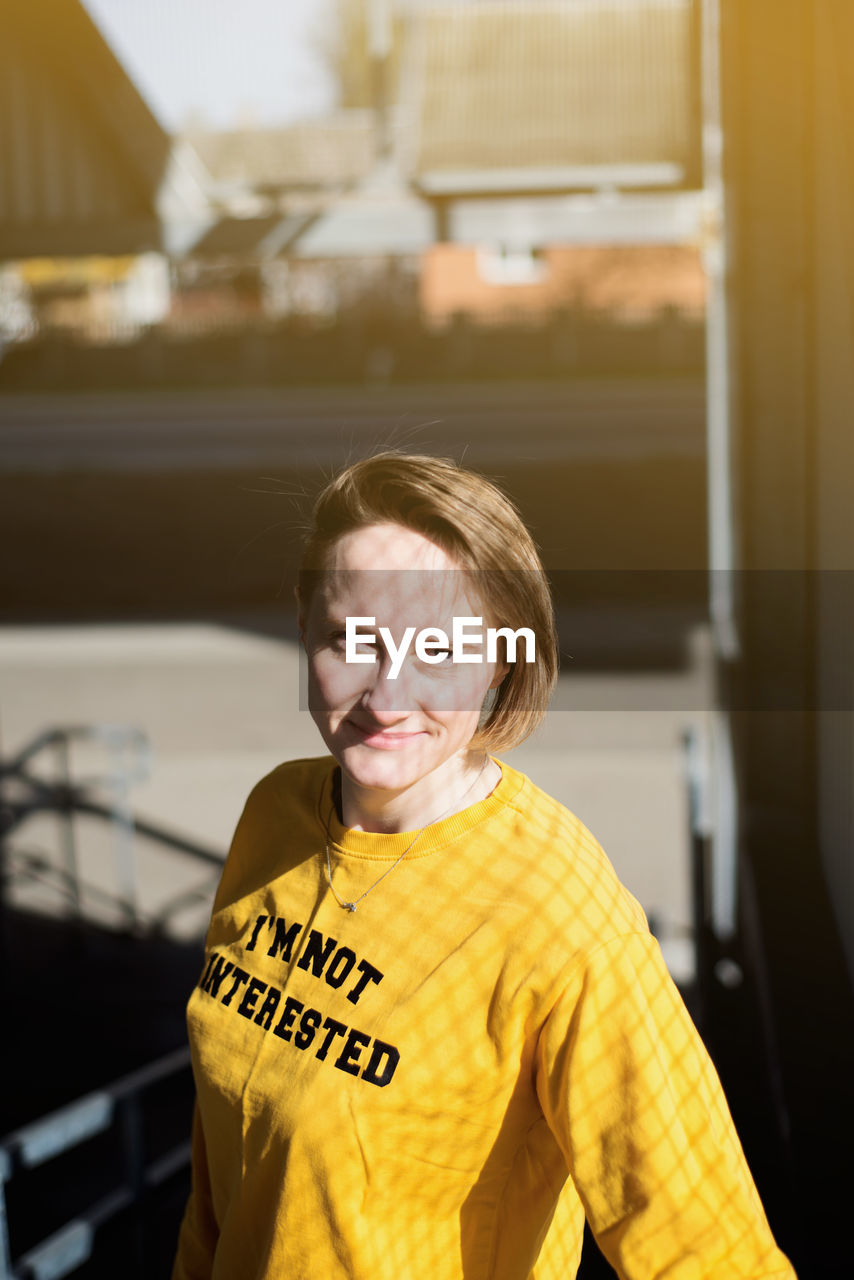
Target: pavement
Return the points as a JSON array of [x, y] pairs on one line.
[[219, 707]]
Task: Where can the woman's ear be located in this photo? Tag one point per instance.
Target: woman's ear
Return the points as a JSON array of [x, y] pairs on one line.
[[501, 670]]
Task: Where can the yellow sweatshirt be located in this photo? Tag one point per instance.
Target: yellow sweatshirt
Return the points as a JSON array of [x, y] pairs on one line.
[[441, 1084]]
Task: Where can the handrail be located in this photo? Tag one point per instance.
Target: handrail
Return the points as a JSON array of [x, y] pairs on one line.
[[30, 794], [111, 734], [58, 799], [35, 1144], [65, 795]]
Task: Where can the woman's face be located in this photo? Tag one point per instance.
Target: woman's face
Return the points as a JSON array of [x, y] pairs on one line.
[[388, 733]]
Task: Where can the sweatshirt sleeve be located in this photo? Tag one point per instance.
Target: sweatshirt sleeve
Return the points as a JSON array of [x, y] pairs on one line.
[[197, 1237], [634, 1101]]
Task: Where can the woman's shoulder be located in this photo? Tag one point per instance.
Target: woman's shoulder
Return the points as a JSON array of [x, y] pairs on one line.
[[280, 819], [575, 881], [292, 781]]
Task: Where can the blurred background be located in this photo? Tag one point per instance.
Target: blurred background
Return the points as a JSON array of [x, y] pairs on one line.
[[600, 250]]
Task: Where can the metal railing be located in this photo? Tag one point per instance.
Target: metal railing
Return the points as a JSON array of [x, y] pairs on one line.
[[25, 794], [40, 779], [117, 1106]]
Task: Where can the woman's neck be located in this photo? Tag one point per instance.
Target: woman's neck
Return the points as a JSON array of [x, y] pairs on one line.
[[430, 799]]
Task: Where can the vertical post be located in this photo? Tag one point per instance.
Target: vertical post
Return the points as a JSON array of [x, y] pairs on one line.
[[720, 516], [67, 834], [721, 520], [119, 743]]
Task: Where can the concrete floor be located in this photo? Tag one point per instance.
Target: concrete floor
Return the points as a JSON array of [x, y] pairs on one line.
[[219, 708]]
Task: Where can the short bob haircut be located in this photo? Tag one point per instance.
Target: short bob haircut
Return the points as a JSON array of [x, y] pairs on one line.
[[478, 527]]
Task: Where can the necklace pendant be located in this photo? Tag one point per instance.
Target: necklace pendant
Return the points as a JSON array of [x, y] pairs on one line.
[[351, 906]]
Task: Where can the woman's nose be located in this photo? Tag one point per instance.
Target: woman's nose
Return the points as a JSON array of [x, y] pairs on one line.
[[386, 696]]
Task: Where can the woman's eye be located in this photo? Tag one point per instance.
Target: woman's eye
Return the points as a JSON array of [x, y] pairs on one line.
[[337, 640], [438, 658]]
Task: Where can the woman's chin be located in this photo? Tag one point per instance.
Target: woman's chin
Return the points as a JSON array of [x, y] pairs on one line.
[[380, 769]]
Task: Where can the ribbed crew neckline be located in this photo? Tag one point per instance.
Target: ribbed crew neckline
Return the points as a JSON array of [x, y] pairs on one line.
[[386, 846]]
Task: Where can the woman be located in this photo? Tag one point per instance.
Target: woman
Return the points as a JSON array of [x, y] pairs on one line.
[[433, 1031]]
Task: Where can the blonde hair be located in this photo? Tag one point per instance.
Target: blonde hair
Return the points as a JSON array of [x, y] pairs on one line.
[[479, 527]]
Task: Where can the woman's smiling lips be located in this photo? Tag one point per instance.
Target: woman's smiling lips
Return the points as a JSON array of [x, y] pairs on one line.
[[385, 739]]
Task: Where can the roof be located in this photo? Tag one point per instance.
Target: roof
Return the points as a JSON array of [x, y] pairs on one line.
[[236, 237], [529, 103], [329, 151], [541, 96], [82, 158]]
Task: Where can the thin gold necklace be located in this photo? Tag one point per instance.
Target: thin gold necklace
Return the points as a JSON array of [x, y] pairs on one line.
[[351, 906]]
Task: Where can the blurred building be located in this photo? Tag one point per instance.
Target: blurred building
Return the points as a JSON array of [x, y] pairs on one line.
[[86, 167], [512, 98], [93, 193], [100, 299], [490, 164], [484, 121], [633, 284]]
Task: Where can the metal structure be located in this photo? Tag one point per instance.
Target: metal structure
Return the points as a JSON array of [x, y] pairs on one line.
[[26, 793], [119, 1106], [120, 1109]]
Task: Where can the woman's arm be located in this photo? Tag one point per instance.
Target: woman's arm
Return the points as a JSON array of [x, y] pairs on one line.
[[198, 1234], [632, 1096]]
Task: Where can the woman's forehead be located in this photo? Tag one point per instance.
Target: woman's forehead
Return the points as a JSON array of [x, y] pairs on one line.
[[388, 567], [387, 547], [438, 592]]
